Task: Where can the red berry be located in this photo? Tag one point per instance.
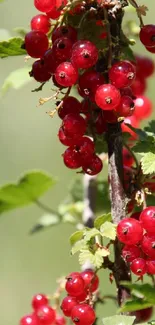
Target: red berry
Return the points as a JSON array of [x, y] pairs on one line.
[[107, 97], [122, 74], [31, 319], [148, 246], [89, 81], [46, 315], [91, 280], [84, 54], [150, 49], [138, 86], [127, 91], [44, 5], [144, 61], [126, 107], [60, 320], [70, 105], [127, 158], [150, 266], [62, 49], [64, 31], [82, 297], [129, 231], [74, 124], [130, 252], [86, 148], [72, 158], [138, 266], [147, 218], [143, 107], [54, 13], [39, 300], [83, 314], [94, 166], [40, 22], [36, 43], [65, 140], [75, 284], [67, 305], [147, 35], [143, 315], [50, 62], [133, 122], [66, 75], [39, 72]]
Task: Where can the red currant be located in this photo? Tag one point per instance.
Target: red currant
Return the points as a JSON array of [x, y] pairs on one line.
[[74, 124], [127, 158], [100, 124], [36, 43], [94, 166], [65, 140], [91, 280], [122, 74], [60, 320], [40, 22], [89, 81], [126, 107], [143, 107], [138, 266], [138, 86], [44, 5], [127, 91], [133, 122], [135, 215], [150, 266], [50, 62], [130, 252], [82, 297], [62, 49], [143, 315], [144, 61], [75, 284], [70, 105], [110, 116], [148, 246], [84, 54], [150, 49], [39, 300], [66, 75], [83, 314], [46, 315], [31, 319], [67, 305], [54, 13], [72, 158], [129, 231], [107, 97], [39, 72], [147, 35], [64, 31], [147, 218]]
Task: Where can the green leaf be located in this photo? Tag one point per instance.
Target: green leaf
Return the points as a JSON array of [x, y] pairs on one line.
[[135, 304], [142, 134], [143, 147], [148, 163], [76, 236], [46, 221], [78, 246], [91, 234], [16, 80], [11, 47], [100, 144], [27, 190], [127, 54], [150, 127], [108, 230], [143, 291], [119, 320], [102, 219], [96, 259], [69, 218]]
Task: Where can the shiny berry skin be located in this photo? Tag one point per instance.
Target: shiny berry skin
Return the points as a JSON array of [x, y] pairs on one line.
[[147, 219], [75, 284], [127, 158], [89, 81], [31, 319], [44, 5], [60, 320], [62, 49], [127, 91], [126, 106], [66, 140], [144, 61], [84, 54], [40, 22], [74, 124], [107, 97], [147, 35], [82, 297], [50, 62], [83, 314], [138, 86], [94, 166], [91, 280], [148, 245], [66, 75], [46, 315], [130, 252], [72, 158], [39, 72], [67, 305], [143, 107], [54, 13], [70, 105], [122, 74], [36, 43], [39, 300], [64, 31], [138, 266], [86, 148], [129, 231], [143, 315], [150, 266]]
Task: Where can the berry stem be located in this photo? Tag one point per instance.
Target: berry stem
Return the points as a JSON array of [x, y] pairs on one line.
[[45, 207], [90, 189]]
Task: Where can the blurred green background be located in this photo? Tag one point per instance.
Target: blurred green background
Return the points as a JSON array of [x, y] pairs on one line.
[[28, 140]]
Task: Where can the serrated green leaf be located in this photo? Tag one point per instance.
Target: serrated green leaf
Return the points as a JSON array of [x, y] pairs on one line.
[[150, 127], [103, 251], [148, 163], [102, 219], [143, 147], [76, 236], [11, 47], [78, 246], [95, 259], [91, 234], [118, 320], [16, 80], [142, 291], [142, 134], [134, 305], [27, 190], [108, 230], [46, 221]]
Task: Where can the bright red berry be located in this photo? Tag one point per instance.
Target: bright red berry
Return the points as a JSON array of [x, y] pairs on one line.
[[72, 158], [148, 245], [31, 319], [60, 320], [150, 266], [129, 231], [39, 300], [66, 140], [70, 105], [147, 218], [44, 5], [147, 62], [127, 158], [89, 81], [64, 31], [84, 54], [107, 97], [122, 74], [91, 280], [62, 48], [67, 305], [36, 43], [40, 22], [75, 284], [82, 297], [143, 315], [126, 107], [66, 75], [54, 13], [74, 124], [83, 314], [94, 166], [138, 266], [130, 252], [46, 315], [143, 107], [147, 35], [39, 72]]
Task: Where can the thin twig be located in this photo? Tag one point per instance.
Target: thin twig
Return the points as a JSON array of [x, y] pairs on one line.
[[132, 154], [45, 207]]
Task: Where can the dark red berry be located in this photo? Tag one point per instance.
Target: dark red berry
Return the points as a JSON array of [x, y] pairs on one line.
[[62, 49], [39, 300], [130, 252], [89, 81], [143, 107], [86, 148], [107, 97], [143, 315], [31, 319], [66, 140], [64, 31], [74, 124], [75, 284], [67, 305], [147, 35], [83, 314], [50, 62], [138, 86], [94, 166], [36, 43], [129, 231], [144, 61], [150, 49], [138, 266], [122, 74], [127, 158], [110, 116], [70, 105], [39, 72], [127, 91], [46, 315], [91, 280], [147, 218], [72, 158], [40, 22], [150, 266], [84, 54], [126, 107], [148, 245], [66, 75]]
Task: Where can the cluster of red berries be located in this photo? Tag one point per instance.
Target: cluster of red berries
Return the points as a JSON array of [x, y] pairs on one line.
[[42, 313], [77, 304], [138, 235], [147, 37]]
